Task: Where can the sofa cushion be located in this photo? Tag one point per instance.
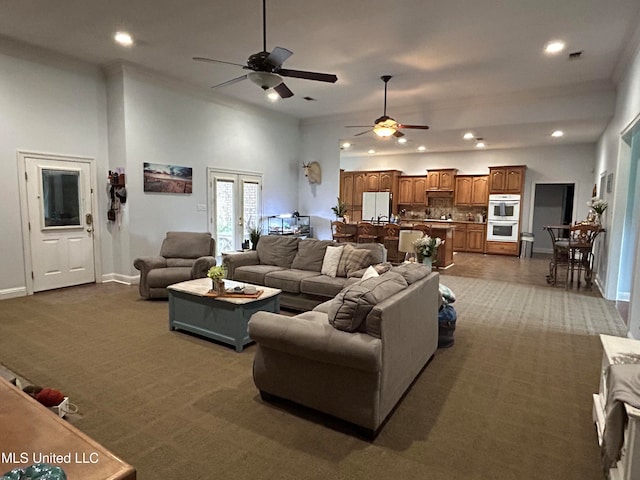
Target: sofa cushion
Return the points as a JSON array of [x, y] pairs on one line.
[[352, 305], [161, 277], [180, 262], [377, 250], [277, 250], [253, 273], [411, 272], [352, 260], [331, 260], [310, 254], [186, 245], [287, 280], [323, 285]]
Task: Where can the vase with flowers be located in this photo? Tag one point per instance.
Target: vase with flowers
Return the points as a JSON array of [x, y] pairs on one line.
[[598, 206], [217, 275], [427, 248]]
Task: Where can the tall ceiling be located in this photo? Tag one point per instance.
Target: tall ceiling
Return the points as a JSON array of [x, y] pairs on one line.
[[442, 54]]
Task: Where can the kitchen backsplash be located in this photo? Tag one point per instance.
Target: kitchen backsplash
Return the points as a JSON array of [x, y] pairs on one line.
[[439, 207]]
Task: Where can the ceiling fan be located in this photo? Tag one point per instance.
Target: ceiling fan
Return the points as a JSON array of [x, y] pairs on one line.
[[386, 126], [266, 67]]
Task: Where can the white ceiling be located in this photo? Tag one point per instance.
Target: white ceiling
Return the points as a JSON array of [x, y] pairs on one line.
[[439, 52]]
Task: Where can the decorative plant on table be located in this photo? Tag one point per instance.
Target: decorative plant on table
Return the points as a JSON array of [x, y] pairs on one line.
[[427, 248], [598, 206], [217, 274], [340, 209]]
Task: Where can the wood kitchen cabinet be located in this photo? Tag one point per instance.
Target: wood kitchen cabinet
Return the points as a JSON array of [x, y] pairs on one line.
[[354, 184], [372, 181], [476, 236], [471, 190], [460, 238], [441, 180], [411, 190], [509, 179]]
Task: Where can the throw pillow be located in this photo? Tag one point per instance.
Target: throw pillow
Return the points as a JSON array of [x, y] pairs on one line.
[[382, 267], [370, 272], [352, 305], [352, 260], [331, 260]]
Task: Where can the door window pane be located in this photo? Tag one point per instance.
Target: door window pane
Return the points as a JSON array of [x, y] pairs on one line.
[[225, 218], [61, 198], [250, 207]]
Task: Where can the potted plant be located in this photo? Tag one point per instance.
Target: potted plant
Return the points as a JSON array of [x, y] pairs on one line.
[[217, 273], [427, 248], [255, 231], [340, 209]]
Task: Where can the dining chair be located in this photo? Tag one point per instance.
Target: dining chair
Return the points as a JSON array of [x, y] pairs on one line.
[[581, 240], [366, 232], [339, 232], [391, 242]]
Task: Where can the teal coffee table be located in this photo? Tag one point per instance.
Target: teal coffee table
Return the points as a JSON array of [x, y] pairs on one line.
[[223, 319]]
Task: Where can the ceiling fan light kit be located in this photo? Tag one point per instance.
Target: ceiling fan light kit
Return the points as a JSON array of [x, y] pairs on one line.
[[386, 126], [266, 67]]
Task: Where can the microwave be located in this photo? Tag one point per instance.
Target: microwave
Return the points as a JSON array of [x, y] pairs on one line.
[[504, 207]]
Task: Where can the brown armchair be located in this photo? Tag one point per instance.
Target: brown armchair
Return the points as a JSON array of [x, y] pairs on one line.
[[183, 256]]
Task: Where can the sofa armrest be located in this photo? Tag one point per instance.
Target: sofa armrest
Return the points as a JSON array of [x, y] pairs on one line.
[[201, 266], [240, 259], [316, 341], [144, 264]]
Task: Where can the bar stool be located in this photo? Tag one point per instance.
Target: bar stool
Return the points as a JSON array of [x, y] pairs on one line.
[[366, 232], [391, 240], [425, 229], [339, 232]]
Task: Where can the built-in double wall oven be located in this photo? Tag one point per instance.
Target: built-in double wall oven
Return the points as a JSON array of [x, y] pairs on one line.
[[503, 218]]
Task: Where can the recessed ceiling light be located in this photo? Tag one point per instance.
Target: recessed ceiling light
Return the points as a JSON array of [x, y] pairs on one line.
[[480, 144], [422, 148], [402, 140], [346, 145], [371, 151], [557, 133], [556, 46], [123, 38], [469, 136]]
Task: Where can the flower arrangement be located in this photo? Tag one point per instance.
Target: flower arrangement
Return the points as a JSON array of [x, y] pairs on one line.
[[427, 246], [217, 272], [598, 205]]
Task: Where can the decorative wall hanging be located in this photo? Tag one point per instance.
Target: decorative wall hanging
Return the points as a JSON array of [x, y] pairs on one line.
[[167, 178]]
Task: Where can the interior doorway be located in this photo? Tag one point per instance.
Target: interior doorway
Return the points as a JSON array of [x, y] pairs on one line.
[[552, 205]]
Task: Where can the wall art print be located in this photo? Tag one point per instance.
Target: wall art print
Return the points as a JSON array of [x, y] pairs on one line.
[[167, 178]]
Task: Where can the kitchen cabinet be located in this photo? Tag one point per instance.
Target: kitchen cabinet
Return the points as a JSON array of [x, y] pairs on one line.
[[388, 181], [354, 184], [469, 237], [441, 180], [476, 236], [372, 181], [471, 190], [509, 179], [359, 187], [411, 190]]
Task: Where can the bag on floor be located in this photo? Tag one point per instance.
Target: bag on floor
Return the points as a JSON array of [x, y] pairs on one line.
[[446, 326]]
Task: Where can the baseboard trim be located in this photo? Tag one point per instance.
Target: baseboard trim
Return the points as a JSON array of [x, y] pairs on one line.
[[8, 293], [119, 278]]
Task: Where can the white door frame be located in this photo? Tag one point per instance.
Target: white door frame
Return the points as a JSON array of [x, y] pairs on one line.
[[24, 210], [211, 195]]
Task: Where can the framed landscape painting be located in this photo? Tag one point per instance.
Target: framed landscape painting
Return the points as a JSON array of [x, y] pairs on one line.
[[167, 178]]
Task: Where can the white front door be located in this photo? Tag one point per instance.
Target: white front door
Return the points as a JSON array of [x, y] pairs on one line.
[[60, 221], [236, 206]]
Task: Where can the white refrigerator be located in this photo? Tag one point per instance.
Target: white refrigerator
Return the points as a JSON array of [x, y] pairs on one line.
[[376, 205]]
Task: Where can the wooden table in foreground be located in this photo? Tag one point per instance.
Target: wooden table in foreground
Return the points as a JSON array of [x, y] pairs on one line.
[[218, 318], [31, 433]]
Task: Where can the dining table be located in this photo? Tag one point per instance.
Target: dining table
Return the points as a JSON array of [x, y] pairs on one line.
[[573, 248]]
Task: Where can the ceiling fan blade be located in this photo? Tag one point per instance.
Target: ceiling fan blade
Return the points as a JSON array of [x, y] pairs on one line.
[[283, 91], [361, 133], [278, 56], [320, 77], [232, 81], [419, 127], [398, 134], [211, 60]]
